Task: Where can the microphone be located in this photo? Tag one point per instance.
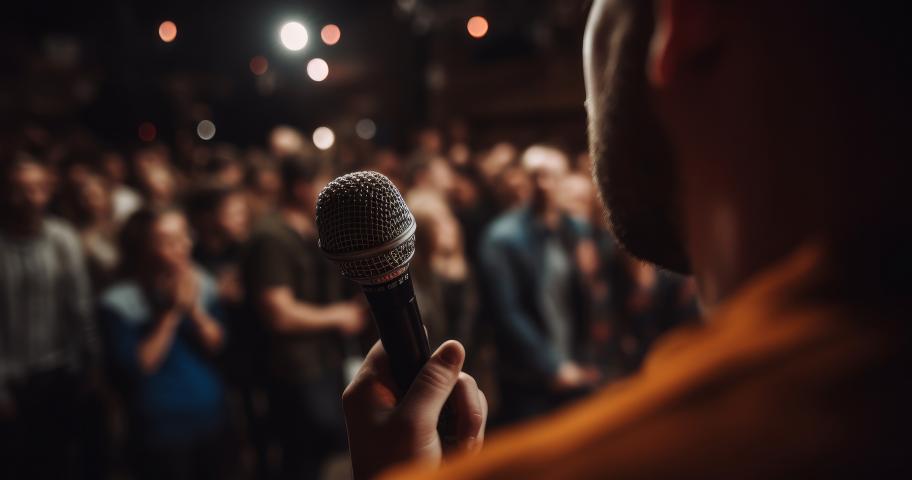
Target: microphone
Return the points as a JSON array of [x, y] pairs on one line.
[[365, 227]]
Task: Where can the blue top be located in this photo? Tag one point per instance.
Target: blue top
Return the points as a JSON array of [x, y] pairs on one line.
[[183, 400], [517, 283]]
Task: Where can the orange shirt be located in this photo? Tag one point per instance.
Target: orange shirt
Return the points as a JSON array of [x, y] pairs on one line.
[[786, 379]]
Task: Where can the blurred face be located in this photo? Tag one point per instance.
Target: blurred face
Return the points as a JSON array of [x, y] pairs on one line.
[[631, 154], [159, 183], [30, 190], [94, 196], [547, 169], [234, 218], [170, 242], [232, 175], [114, 167]]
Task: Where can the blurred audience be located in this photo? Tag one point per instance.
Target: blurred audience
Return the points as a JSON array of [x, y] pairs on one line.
[[228, 334], [536, 295]]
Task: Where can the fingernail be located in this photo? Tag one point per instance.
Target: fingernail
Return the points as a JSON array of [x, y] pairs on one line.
[[451, 354]]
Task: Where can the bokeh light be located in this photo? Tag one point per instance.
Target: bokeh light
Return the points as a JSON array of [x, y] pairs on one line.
[[324, 138], [477, 27], [147, 131], [167, 31], [317, 69], [331, 34], [293, 36], [206, 130], [259, 65], [366, 129]]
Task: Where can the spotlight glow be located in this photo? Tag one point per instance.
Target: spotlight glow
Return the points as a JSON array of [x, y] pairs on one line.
[[331, 34], [317, 69], [324, 138], [477, 27], [293, 36], [366, 129], [167, 31], [206, 130]]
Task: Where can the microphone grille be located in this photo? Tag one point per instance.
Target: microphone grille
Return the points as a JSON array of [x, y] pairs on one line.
[[366, 227]]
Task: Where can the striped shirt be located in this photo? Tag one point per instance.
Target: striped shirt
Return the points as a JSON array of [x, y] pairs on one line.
[[46, 317]]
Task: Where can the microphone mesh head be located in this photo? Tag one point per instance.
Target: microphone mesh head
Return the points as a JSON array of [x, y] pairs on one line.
[[365, 226]]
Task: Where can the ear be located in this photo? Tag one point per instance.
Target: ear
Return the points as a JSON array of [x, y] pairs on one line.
[[686, 34]]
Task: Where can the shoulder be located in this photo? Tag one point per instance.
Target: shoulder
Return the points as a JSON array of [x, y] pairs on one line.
[[268, 231], [208, 287], [61, 231], [505, 229], [126, 301]]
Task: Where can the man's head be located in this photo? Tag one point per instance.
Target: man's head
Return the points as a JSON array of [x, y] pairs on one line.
[[741, 103], [546, 167], [27, 188]]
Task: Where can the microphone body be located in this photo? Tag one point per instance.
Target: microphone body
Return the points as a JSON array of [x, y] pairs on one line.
[[398, 321]]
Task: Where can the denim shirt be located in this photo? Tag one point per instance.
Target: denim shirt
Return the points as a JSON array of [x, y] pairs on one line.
[[514, 272]]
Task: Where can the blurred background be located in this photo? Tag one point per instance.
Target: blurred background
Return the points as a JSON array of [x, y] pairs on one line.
[[164, 309]]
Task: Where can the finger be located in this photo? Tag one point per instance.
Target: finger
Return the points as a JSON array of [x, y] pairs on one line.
[[433, 384], [469, 408], [479, 441], [373, 385]]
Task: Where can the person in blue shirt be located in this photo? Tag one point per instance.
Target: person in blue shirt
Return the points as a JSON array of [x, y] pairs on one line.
[[534, 293], [163, 328]]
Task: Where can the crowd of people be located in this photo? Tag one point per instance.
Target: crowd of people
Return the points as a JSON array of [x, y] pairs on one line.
[[170, 315]]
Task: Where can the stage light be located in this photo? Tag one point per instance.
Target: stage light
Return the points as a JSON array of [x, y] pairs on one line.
[[477, 27], [167, 31], [259, 65], [293, 36], [331, 34], [147, 131], [366, 129], [317, 69], [205, 130], [324, 138]]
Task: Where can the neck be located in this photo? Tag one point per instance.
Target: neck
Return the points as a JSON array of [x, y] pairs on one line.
[[546, 213], [745, 219]]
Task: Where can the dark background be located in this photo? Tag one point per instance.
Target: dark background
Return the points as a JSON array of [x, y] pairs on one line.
[[404, 63]]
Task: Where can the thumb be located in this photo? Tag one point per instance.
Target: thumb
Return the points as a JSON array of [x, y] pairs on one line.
[[434, 382]]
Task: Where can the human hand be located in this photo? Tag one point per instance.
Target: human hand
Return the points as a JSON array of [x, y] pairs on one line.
[[384, 431], [571, 376], [179, 289]]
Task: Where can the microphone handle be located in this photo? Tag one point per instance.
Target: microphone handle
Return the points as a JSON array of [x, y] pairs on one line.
[[405, 340], [402, 332]]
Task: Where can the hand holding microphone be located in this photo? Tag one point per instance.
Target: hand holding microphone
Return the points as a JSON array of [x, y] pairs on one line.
[[395, 401]]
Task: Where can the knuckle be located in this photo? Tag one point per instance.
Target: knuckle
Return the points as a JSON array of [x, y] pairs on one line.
[[436, 377], [468, 381]]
